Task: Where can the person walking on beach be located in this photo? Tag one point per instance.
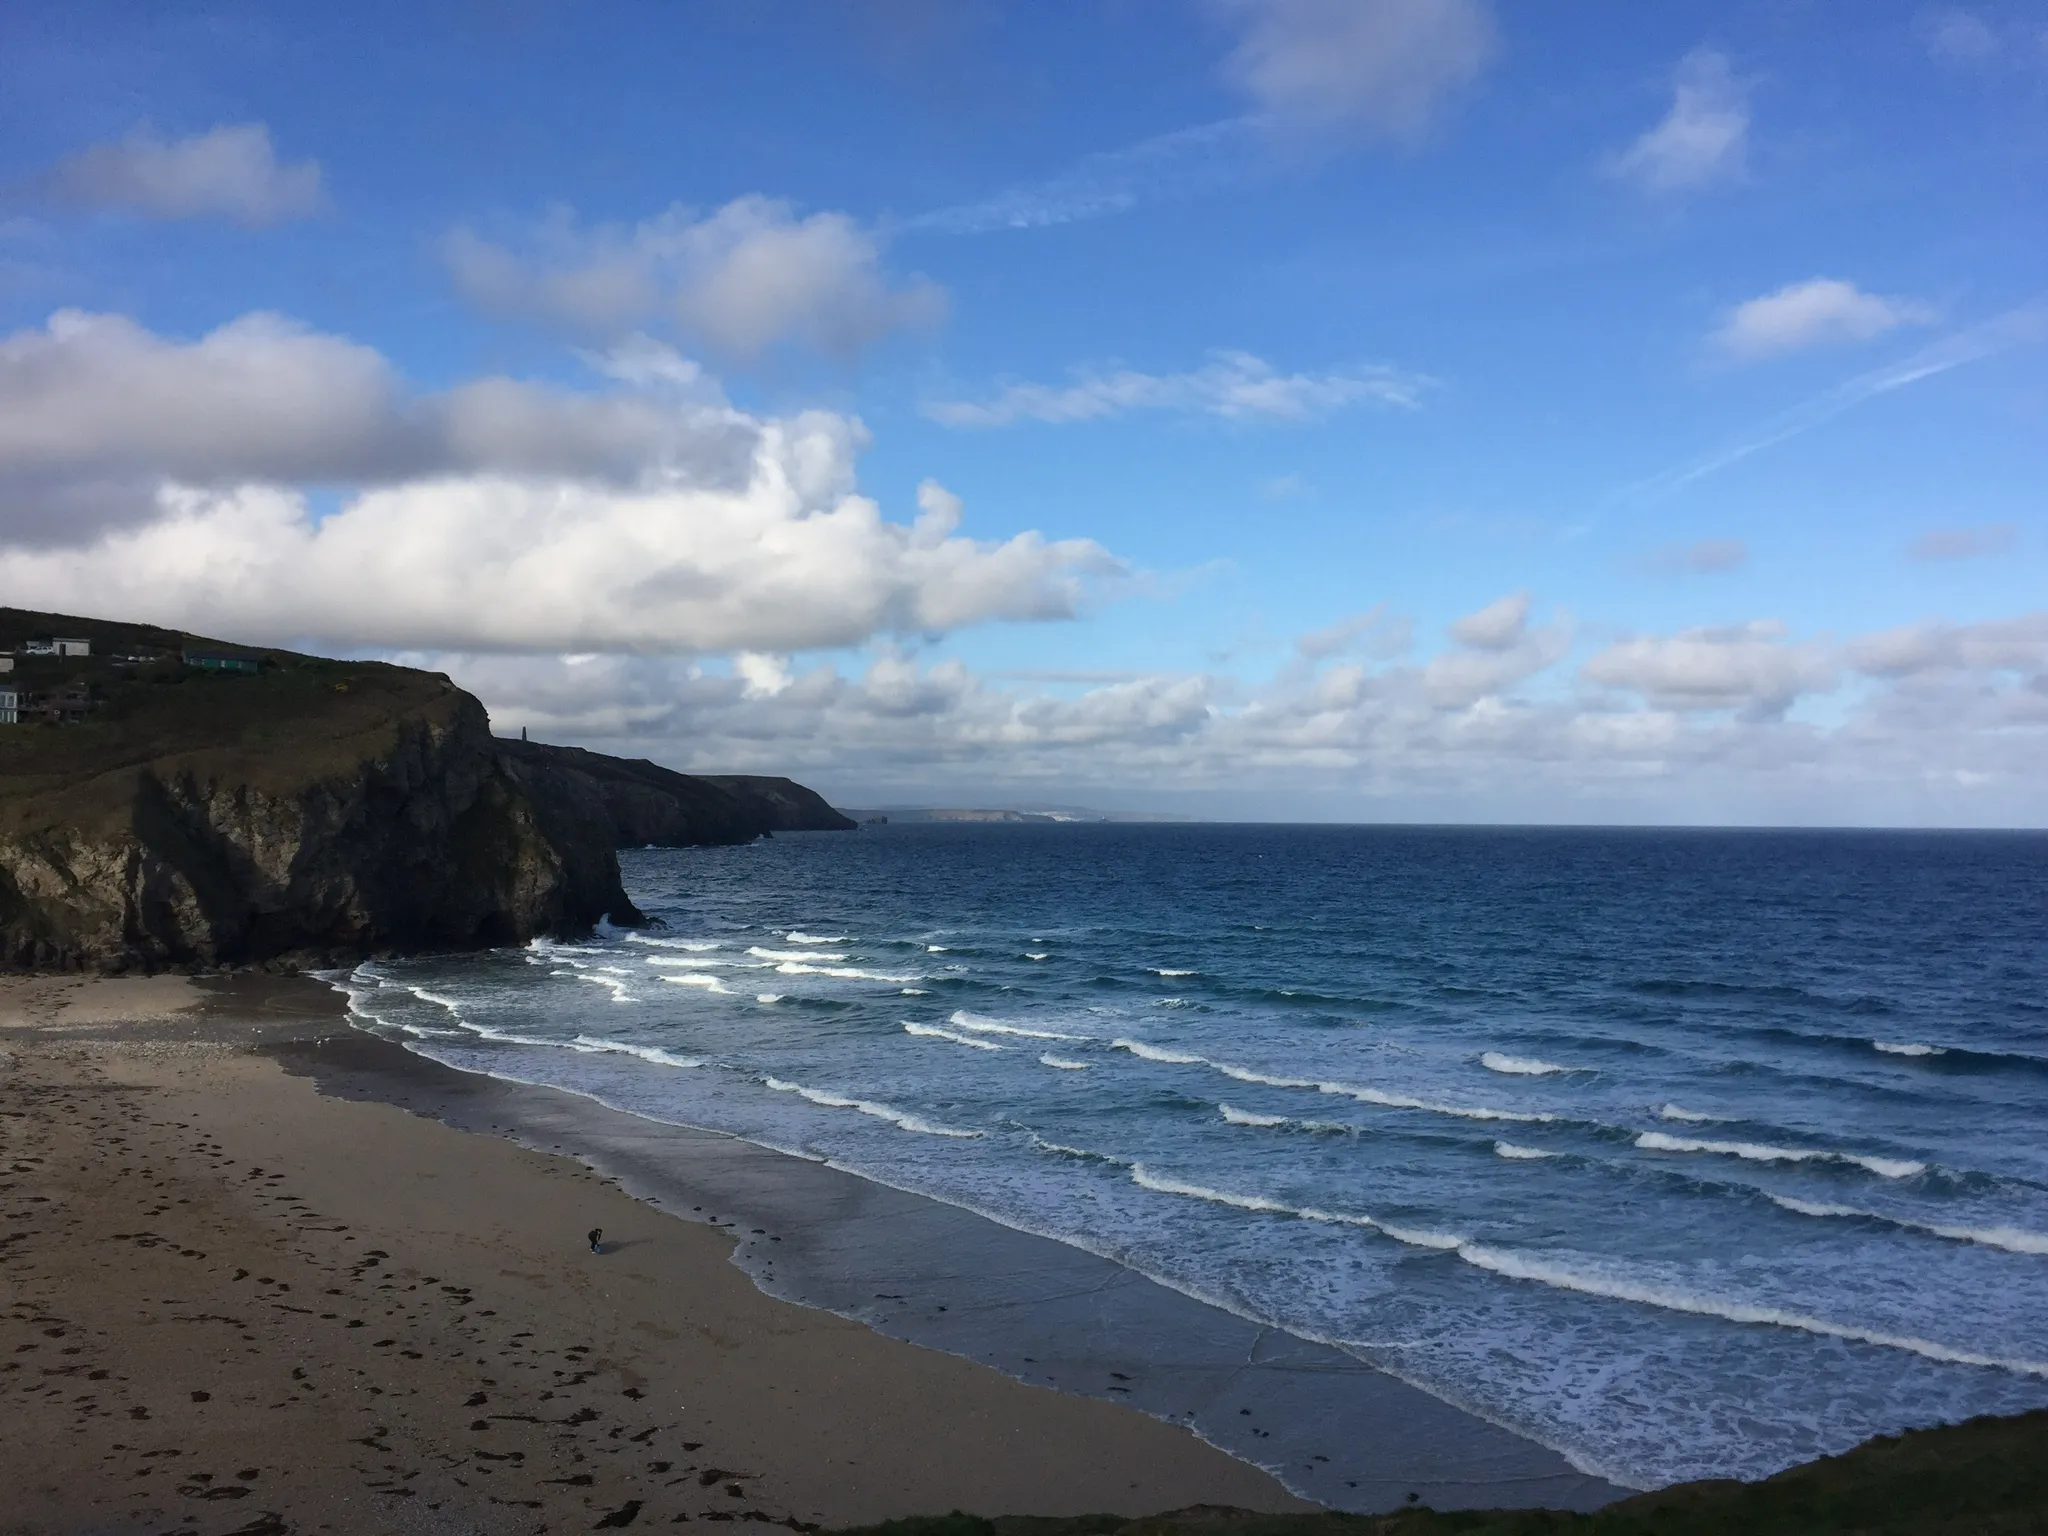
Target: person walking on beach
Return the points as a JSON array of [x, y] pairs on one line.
[[596, 1233]]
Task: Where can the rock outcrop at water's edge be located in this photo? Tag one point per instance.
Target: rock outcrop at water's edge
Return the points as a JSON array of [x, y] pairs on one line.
[[306, 810]]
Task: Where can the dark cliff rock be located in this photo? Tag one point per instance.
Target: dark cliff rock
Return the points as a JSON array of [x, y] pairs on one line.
[[782, 804], [311, 810], [642, 802]]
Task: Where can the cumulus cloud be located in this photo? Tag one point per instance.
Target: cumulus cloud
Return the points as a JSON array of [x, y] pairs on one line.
[[1961, 717], [1496, 649], [1749, 667], [742, 279], [2000, 645], [1821, 311], [169, 485], [1963, 543], [96, 413], [1234, 385], [1378, 68], [1702, 140], [232, 171]]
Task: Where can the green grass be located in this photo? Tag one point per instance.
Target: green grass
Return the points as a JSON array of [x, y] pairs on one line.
[[1988, 1477], [298, 722]]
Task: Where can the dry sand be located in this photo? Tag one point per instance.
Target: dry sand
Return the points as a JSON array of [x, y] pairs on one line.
[[233, 1305]]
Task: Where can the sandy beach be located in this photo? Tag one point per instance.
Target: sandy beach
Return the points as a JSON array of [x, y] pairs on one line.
[[234, 1304]]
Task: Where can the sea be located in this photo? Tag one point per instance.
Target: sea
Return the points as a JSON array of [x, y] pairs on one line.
[[1683, 1153]]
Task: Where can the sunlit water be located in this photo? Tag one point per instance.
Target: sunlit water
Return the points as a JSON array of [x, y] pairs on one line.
[[1688, 1154]]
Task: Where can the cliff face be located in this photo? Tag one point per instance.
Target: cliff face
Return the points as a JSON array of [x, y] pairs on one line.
[[317, 811], [639, 802]]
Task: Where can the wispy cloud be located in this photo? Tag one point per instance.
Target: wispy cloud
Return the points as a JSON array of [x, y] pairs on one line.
[[1233, 385], [1185, 163], [1703, 139], [2024, 326], [1963, 543]]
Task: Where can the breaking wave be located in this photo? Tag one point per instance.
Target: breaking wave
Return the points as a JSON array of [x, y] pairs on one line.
[[1757, 1152], [933, 1032], [902, 1119], [1519, 1066]]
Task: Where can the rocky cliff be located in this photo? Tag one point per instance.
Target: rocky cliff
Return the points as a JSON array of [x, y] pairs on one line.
[[207, 804], [641, 803], [313, 810]]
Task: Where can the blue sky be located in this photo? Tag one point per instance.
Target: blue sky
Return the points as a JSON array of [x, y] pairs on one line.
[[1350, 408]]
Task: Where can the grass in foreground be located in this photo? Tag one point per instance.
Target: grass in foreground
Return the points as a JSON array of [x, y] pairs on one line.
[[1988, 1477]]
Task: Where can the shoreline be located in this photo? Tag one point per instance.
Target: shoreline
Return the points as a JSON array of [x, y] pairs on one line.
[[235, 1304], [1330, 1428], [812, 1248]]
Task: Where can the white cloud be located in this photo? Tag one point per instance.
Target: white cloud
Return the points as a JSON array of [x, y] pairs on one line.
[[232, 170], [1963, 543], [1821, 311], [1496, 627], [1702, 140], [1969, 716], [1497, 650], [96, 413], [1749, 667], [2000, 645], [1376, 67], [1234, 385], [742, 279], [167, 486]]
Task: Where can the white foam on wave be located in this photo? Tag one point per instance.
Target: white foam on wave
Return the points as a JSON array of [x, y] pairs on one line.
[[844, 972], [767, 997], [1758, 1152], [937, 949], [695, 979], [982, 1025], [1043, 954], [618, 988], [1063, 1064], [1160, 970], [1519, 1066], [933, 1032], [653, 1053], [2011, 1239], [1670, 1298], [433, 997], [798, 936], [1165, 1184], [1907, 1048], [700, 945], [902, 1119], [1689, 1116], [1235, 1116], [914, 992], [1363, 1095], [1508, 1149], [761, 953], [687, 962]]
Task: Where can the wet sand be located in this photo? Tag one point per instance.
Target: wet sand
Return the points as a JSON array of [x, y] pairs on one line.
[[233, 1304]]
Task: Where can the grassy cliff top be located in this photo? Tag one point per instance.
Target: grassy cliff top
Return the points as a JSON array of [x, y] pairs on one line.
[[297, 721]]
